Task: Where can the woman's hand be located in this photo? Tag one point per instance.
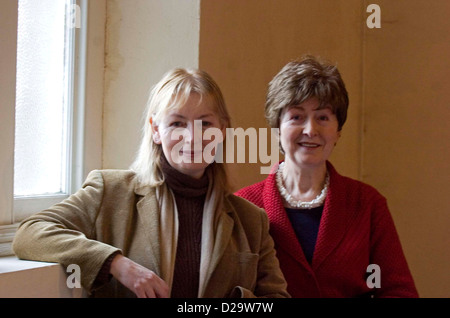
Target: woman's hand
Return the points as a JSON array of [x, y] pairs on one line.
[[140, 280]]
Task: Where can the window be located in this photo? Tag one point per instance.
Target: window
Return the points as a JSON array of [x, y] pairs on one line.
[[42, 97], [44, 107], [43, 77]]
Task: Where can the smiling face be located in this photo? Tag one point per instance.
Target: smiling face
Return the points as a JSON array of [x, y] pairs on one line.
[[180, 132], [308, 134]]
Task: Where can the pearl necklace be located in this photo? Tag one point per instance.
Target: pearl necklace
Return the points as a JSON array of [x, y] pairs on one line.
[[318, 201]]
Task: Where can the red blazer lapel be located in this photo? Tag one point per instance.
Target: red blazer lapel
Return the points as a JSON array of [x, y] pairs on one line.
[[280, 226], [335, 218]]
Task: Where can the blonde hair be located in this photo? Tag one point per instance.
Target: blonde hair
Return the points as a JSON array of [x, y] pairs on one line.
[[172, 92], [302, 79]]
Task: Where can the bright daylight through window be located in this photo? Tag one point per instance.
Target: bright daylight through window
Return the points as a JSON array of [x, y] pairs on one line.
[[43, 98]]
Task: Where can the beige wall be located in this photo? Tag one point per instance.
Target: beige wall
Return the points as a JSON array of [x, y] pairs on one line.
[[8, 48], [396, 137], [406, 148], [244, 43], [144, 39]]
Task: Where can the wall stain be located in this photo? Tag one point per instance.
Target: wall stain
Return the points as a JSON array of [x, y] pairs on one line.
[[113, 59]]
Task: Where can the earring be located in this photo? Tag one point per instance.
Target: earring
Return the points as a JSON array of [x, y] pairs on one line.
[[156, 138]]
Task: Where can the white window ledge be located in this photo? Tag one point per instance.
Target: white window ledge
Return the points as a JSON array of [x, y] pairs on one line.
[[7, 233], [30, 279]]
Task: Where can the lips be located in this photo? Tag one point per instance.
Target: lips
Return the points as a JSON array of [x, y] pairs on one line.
[[190, 153], [309, 144]]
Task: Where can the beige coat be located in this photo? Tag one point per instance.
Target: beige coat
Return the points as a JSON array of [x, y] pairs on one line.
[[113, 212]]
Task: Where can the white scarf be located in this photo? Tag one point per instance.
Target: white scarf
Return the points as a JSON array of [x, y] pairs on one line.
[[169, 230]]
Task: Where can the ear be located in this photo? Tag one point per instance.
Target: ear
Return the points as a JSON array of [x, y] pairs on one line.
[[338, 137], [155, 132]]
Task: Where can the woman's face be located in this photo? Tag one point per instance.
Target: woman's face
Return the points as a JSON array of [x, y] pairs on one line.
[[181, 133], [308, 134]]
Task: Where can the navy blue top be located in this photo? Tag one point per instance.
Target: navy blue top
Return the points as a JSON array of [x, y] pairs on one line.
[[306, 226]]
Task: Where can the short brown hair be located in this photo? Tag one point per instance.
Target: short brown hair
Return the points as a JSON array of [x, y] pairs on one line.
[[302, 79]]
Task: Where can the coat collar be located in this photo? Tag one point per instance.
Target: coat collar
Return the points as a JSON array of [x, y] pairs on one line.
[[335, 219], [149, 214], [280, 226]]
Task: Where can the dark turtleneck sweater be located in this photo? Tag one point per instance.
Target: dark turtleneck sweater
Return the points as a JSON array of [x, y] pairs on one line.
[[190, 194], [190, 197]]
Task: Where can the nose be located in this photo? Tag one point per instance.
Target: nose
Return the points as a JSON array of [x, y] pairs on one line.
[[194, 134], [310, 127]]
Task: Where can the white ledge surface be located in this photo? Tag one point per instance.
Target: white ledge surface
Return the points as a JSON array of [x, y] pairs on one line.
[[31, 279]]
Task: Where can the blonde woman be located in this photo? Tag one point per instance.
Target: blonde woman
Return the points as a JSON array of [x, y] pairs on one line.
[[169, 226]]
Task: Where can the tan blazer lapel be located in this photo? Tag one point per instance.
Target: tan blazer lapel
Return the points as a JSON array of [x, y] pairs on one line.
[[148, 211], [224, 228]]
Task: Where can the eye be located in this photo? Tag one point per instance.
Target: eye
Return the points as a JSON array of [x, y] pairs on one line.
[[176, 124], [206, 124], [324, 118], [297, 117]]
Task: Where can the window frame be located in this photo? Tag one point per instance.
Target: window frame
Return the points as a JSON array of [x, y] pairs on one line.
[[14, 210], [25, 205]]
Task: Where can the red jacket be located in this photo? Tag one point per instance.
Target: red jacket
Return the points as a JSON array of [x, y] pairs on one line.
[[356, 230]]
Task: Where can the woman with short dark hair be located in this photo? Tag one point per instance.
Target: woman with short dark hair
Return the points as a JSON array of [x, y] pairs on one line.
[[330, 231]]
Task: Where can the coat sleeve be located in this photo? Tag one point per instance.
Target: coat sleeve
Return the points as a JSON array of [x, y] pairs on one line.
[[386, 252], [65, 233]]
